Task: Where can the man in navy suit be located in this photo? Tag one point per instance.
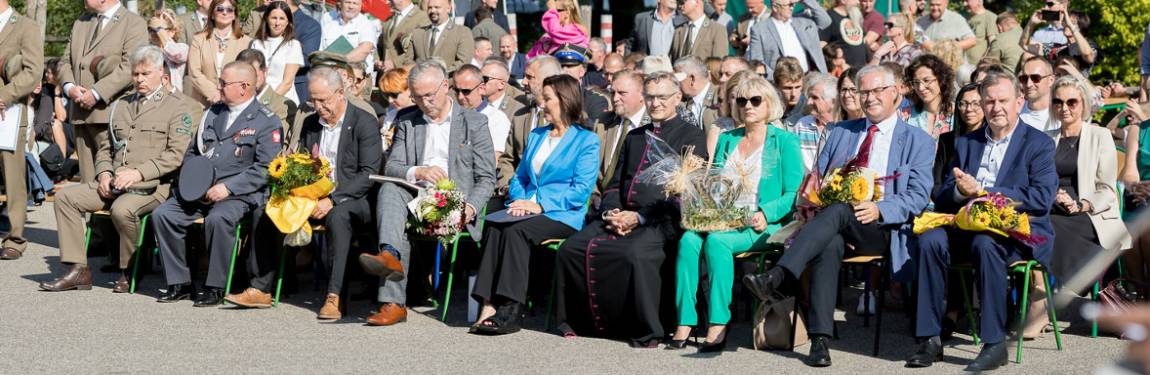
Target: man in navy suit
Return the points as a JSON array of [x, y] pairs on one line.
[[516, 62], [308, 33], [1007, 157], [880, 142]]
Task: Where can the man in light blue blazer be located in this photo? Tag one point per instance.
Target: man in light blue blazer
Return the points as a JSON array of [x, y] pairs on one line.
[[440, 140], [784, 35], [881, 142], [1007, 157]]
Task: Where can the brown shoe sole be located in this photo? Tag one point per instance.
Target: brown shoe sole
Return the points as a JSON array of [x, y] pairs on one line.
[[9, 257], [247, 305], [329, 317], [73, 287], [373, 267], [375, 324]]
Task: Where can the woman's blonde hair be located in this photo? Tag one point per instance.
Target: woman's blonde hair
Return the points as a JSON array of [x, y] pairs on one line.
[[904, 22], [573, 8], [167, 15], [757, 86], [728, 90], [949, 53], [1084, 93]]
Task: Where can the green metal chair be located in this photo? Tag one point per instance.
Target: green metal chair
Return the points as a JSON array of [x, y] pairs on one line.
[[1024, 269], [156, 251], [552, 244], [446, 302], [139, 240]]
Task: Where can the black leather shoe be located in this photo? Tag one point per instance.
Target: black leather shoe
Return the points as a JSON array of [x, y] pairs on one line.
[[820, 355], [991, 357], [929, 352], [714, 347], [763, 285], [210, 297], [176, 293]]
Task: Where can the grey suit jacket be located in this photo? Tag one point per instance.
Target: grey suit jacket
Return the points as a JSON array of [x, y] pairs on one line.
[[471, 158], [640, 39], [766, 46]]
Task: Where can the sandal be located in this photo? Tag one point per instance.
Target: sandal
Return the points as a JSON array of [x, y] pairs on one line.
[[509, 319]]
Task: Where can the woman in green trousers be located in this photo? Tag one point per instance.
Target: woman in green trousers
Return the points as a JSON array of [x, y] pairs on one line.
[[773, 160]]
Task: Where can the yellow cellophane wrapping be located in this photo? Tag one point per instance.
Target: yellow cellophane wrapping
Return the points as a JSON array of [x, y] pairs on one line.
[[289, 214]]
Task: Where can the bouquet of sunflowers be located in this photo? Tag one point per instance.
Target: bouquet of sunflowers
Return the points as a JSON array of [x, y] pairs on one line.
[[298, 181], [438, 211], [991, 212], [849, 185], [708, 196]]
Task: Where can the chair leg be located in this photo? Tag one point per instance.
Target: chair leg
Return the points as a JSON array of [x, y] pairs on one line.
[[136, 261], [280, 275], [232, 262], [1025, 302], [867, 288], [969, 307], [1050, 309], [438, 260], [450, 280], [1094, 323]]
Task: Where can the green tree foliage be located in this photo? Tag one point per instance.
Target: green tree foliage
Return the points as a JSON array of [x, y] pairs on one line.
[[1118, 28]]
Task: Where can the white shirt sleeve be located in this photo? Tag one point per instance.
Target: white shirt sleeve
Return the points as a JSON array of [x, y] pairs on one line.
[[293, 53], [500, 127]]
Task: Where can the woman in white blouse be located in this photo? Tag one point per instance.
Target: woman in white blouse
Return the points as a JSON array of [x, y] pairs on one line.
[[164, 31], [276, 39]]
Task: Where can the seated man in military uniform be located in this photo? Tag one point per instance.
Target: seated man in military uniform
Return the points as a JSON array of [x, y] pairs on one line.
[[239, 138], [135, 162]]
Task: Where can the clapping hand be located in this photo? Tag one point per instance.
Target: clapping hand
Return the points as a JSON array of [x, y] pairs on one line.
[[966, 184]]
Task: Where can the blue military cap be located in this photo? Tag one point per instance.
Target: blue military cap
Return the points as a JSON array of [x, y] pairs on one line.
[[571, 54], [196, 176]]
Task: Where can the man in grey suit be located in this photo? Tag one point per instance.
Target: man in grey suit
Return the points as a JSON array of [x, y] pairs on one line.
[[655, 29], [786, 35], [440, 140]]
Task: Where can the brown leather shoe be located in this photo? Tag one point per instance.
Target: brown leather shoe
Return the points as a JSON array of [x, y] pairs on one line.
[[383, 265], [10, 253], [330, 309], [251, 298], [389, 314], [122, 285], [78, 277]]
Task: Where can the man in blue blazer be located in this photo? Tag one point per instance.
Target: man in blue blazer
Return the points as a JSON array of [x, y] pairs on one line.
[[1009, 158], [308, 33], [881, 142], [770, 39], [516, 62]]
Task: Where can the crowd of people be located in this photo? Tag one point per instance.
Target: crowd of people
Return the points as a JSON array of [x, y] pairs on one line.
[[174, 119]]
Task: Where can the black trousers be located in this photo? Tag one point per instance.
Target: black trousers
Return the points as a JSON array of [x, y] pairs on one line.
[[504, 270], [821, 244], [263, 262], [341, 223]]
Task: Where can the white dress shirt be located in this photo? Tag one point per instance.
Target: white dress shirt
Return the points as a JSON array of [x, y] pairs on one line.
[[498, 124], [436, 145], [4, 17], [662, 34], [880, 145], [697, 103], [357, 31], [329, 142], [695, 30], [436, 33], [636, 122], [790, 41], [402, 14], [991, 161]]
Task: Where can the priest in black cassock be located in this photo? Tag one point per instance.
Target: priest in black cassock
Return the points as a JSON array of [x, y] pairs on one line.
[[610, 274]]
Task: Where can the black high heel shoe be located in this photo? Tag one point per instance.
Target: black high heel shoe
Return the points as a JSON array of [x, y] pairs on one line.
[[673, 344], [714, 347]]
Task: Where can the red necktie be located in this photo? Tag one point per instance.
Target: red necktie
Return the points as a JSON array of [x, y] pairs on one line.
[[863, 158]]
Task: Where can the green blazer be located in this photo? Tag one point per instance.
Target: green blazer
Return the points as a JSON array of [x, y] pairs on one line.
[[782, 172]]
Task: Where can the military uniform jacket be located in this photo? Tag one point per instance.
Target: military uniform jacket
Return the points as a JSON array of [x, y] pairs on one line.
[[101, 64], [21, 58], [241, 153], [392, 39], [149, 135], [456, 46]]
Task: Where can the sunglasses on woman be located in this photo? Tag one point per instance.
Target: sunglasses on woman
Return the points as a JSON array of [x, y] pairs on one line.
[[754, 100], [1072, 102], [225, 9], [158, 29]]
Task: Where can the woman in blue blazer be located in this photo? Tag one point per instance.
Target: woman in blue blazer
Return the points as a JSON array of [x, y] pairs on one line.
[[548, 195]]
